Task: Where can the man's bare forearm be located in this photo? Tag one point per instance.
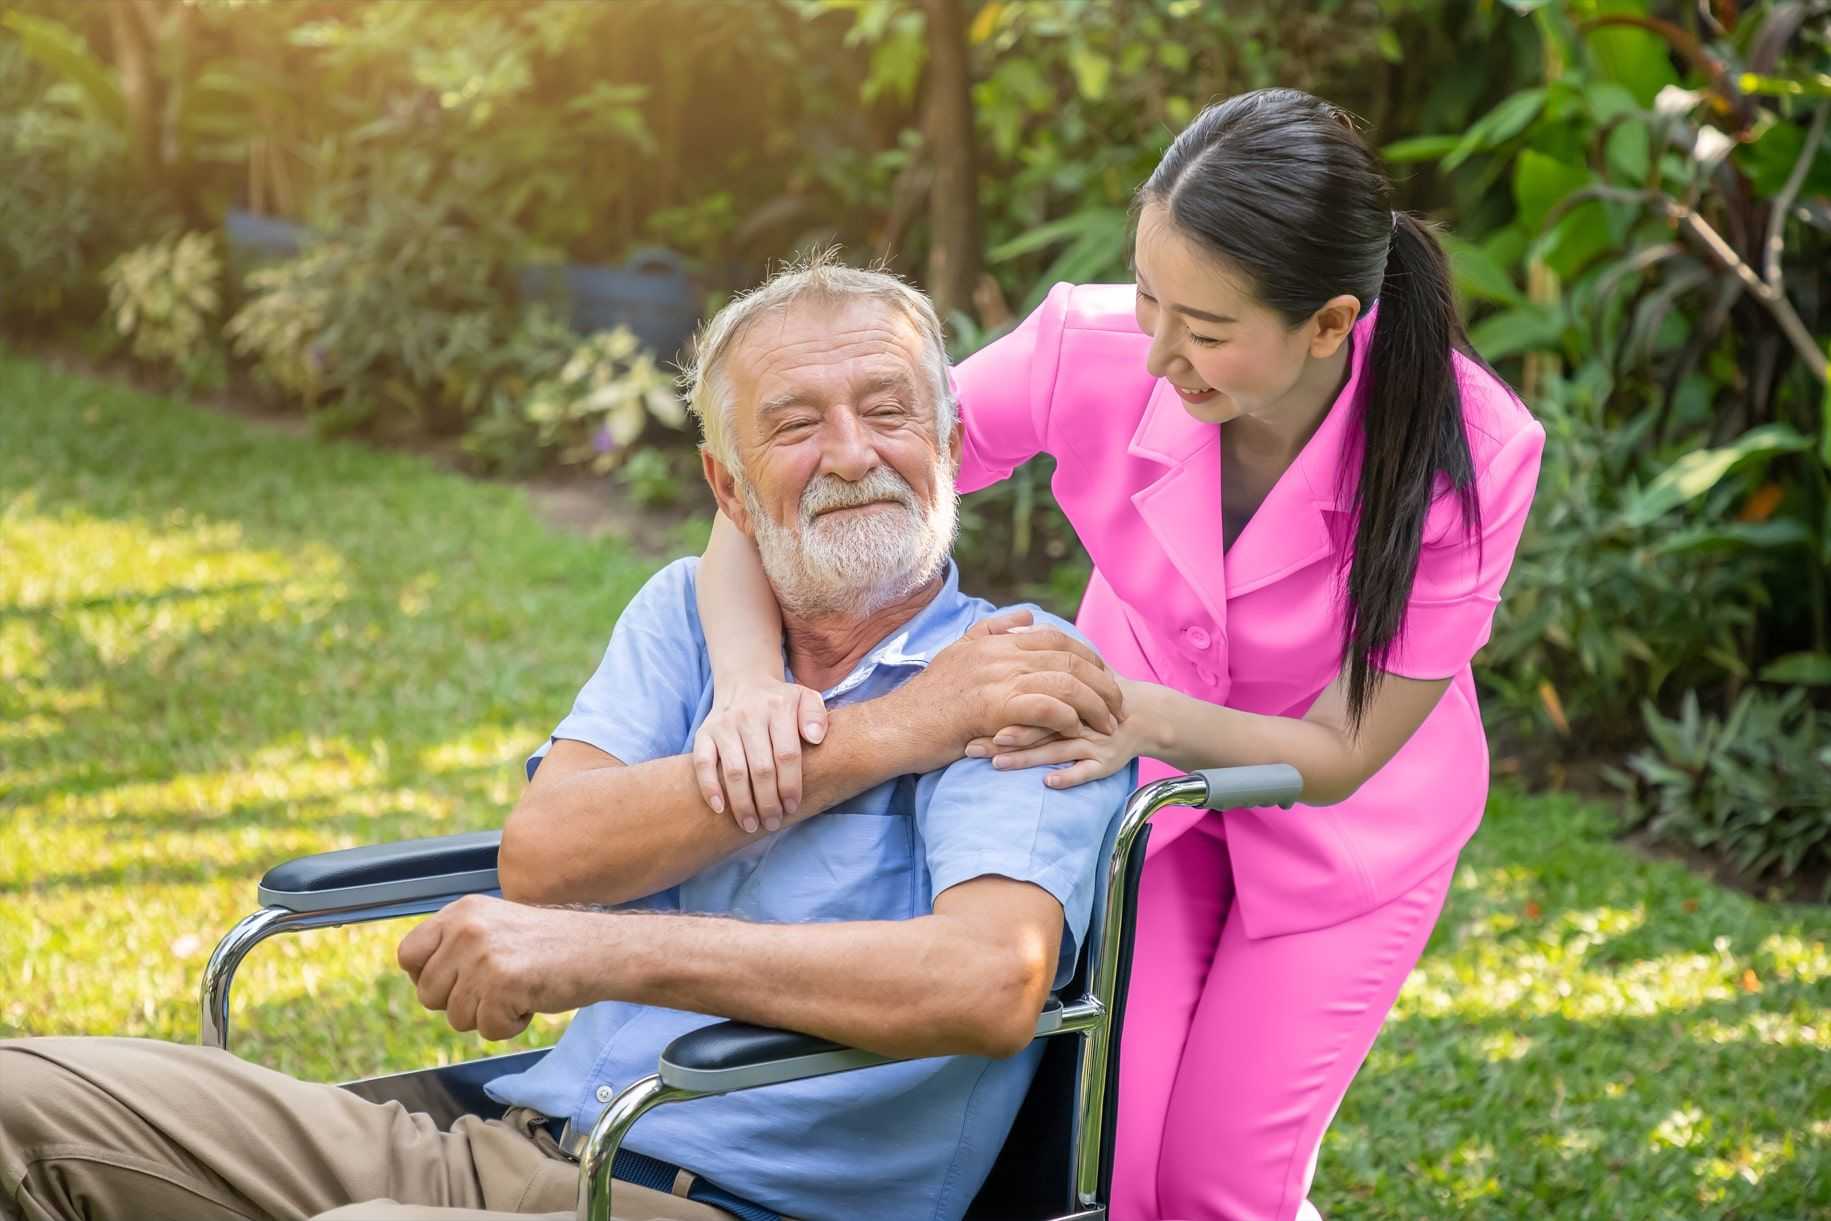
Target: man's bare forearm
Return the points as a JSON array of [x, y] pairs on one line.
[[928, 986], [613, 834]]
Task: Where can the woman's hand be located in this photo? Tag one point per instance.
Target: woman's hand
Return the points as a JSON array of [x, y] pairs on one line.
[[1089, 753], [752, 742]]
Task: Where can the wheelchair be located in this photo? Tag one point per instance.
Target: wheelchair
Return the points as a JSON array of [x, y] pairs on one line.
[[1057, 1161]]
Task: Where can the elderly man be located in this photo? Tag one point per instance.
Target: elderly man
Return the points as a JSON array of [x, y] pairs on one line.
[[916, 902]]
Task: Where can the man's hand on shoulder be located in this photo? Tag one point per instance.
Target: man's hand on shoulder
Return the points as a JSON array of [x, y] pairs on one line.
[[491, 965], [1007, 671]]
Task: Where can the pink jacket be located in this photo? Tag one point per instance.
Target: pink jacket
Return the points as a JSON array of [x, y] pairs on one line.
[[1259, 628]]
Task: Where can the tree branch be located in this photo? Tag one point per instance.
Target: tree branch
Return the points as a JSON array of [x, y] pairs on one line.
[[1769, 295], [1783, 203]]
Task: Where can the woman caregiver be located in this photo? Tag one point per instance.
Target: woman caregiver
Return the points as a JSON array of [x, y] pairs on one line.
[[1301, 498]]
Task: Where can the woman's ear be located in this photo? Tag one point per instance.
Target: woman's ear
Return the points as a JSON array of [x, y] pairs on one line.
[[1334, 322]]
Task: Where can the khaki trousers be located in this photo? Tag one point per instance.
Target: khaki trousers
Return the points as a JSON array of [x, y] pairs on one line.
[[140, 1130]]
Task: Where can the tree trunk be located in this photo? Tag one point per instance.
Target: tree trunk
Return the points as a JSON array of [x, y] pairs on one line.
[[134, 54], [947, 130]]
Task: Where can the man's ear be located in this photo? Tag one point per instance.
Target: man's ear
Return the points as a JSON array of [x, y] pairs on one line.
[[956, 444], [1334, 322], [724, 490]]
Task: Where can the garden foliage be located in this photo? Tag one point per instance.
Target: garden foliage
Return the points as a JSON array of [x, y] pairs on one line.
[[1639, 192]]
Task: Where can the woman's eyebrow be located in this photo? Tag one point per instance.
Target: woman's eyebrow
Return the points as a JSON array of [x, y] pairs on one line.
[[1132, 264], [1202, 314]]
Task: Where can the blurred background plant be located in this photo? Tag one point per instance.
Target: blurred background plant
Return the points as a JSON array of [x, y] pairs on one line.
[[596, 407], [1654, 280], [165, 298], [1640, 193]]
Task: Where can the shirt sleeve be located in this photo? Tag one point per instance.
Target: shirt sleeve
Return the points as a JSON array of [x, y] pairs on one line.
[[1004, 390], [979, 821], [641, 701], [1459, 577]]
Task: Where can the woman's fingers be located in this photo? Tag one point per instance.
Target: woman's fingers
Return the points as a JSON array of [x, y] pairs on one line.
[[734, 770], [1062, 750], [812, 715], [760, 752], [1025, 736], [1076, 773], [1021, 737], [785, 742], [705, 770]]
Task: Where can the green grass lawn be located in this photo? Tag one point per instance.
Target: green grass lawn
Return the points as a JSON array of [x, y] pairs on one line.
[[221, 647]]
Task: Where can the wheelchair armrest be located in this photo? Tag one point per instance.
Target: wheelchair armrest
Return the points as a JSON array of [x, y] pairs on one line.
[[1260, 784], [728, 1056], [443, 866]]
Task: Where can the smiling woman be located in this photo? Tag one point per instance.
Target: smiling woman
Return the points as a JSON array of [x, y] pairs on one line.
[[1301, 496]]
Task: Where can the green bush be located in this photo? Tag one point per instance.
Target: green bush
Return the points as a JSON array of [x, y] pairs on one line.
[[390, 324], [1753, 786], [1657, 296], [165, 298], [67, 206], [599, 402]]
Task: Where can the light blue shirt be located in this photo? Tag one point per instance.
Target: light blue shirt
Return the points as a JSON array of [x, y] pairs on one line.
[[912, 1140]]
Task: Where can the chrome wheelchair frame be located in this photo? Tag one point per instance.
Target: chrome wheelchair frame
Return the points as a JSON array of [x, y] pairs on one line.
[[416, 877]]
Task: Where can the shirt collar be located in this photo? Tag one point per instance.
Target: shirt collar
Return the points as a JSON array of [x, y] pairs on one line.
[[934, 627]]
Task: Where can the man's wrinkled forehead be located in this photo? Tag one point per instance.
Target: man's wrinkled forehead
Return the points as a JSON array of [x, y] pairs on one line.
[[816, 352]]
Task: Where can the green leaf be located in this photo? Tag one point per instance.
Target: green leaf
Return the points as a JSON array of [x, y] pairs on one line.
[[1770, 156], [1629, 150], [1498, 126], [1104, 220], [1824, 422], [1803, 669], [1540, 182], [1579, 236], [1092, 71], [1387, 44], [1638, 59], [1697, 472], [1419, 148], [1733, 536], [1608, 100], [1479, 276], [1523, 329], [67, 53]]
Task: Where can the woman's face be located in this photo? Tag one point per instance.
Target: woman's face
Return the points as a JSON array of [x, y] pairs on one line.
[[1226, 354]]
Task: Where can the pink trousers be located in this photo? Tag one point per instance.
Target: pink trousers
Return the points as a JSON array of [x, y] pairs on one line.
[[1236, 1052]]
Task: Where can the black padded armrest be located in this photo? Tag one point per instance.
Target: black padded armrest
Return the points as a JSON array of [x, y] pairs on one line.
[[443, 866], [728, 1056]]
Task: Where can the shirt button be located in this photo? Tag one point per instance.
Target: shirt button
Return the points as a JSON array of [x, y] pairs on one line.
[[605, 1093], [1208, 676], [1197, 637]]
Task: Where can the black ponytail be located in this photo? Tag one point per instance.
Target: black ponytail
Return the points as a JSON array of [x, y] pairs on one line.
[[1280, 185]]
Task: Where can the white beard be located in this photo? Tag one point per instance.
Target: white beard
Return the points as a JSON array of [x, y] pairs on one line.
[[856, 563]]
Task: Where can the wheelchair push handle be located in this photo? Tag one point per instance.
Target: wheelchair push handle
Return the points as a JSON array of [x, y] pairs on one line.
[[1262, 784]]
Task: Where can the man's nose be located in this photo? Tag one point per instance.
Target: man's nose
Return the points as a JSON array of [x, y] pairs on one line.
[[846, 449]]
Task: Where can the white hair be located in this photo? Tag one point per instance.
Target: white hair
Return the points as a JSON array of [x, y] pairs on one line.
[[817, 277]]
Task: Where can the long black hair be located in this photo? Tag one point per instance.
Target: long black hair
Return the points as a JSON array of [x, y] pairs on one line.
[[1280, 185]]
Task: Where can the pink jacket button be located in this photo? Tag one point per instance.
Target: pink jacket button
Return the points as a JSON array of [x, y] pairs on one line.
[[1197, 637]]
